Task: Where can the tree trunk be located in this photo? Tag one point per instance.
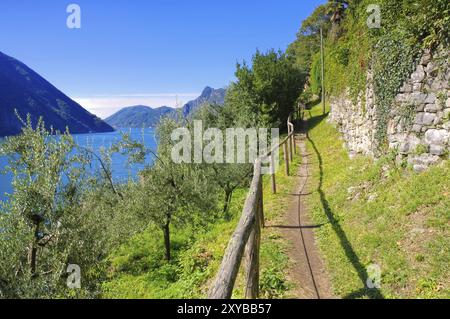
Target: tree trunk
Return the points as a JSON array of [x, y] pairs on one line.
[[226, 205], [32, 259], [166, 231]]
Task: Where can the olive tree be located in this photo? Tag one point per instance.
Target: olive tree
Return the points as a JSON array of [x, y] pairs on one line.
[[60, 213], [174, 193], [227, 176]]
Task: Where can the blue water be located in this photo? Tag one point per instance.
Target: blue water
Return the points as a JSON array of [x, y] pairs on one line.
[[121, 170]]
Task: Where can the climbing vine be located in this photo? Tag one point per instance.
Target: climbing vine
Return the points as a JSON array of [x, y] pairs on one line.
[[394, 61]]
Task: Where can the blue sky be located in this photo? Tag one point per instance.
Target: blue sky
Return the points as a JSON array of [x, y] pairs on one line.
[[144, 51]]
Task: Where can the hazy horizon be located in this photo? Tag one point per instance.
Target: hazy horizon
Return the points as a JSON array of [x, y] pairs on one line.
[[105, 106]]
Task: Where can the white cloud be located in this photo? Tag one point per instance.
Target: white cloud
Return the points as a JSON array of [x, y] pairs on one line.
[[106, 105]]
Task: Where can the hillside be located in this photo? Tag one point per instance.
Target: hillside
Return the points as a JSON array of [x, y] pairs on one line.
[[209, 95], [23, 89], [144, 116], [138, 116], [375, 213]]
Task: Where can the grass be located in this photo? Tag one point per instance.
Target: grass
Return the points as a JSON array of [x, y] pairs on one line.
[[378, 214], [138, 270]]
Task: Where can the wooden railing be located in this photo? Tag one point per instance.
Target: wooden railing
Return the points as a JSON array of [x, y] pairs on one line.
[[245, 241]]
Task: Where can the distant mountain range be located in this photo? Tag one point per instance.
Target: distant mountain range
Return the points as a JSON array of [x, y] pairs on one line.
[[138, 116], [23, 89], [144, 116]]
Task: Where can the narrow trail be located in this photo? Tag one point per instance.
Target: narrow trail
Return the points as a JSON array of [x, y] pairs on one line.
[[307, 272]]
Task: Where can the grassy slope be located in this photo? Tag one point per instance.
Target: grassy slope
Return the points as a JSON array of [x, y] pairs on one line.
[[375, 213], [138, 271]]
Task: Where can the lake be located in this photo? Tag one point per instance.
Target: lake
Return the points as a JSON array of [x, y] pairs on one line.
[[120, 169]]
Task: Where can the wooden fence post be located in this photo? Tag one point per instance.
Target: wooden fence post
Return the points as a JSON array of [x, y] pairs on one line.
[[252, 256], [293, 142], [291, 155], [286, 158], [261, 204], [272, 173], [289, 146]]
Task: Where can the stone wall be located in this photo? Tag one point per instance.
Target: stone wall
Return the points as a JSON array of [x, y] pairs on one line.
[[418, 128]]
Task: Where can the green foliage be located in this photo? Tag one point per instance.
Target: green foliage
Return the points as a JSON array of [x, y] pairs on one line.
[[174, 193], [228, 177], [425, 21], [59, 214], [316, 75], [268, 89], [407, 114], [305, 97], [336, 9], [341, 54], [308, 38], [346, 58], [272, 283], [421, 149], [442, 98]]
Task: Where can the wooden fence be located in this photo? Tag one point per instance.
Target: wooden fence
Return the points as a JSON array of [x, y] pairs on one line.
[[245, 241]]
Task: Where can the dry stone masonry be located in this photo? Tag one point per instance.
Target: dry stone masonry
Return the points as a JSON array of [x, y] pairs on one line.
[[418, 128]]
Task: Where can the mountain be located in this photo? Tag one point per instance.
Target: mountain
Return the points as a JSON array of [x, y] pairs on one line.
[[23, 89], [143, 116], [209, 95], [138, 116]]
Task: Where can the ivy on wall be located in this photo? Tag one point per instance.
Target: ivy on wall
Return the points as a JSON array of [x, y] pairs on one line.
[[394, 61]]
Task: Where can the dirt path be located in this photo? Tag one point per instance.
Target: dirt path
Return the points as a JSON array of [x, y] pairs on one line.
[[307, 272]]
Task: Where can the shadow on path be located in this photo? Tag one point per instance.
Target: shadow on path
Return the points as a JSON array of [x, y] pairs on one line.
[[344, 241], [297, 227]]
